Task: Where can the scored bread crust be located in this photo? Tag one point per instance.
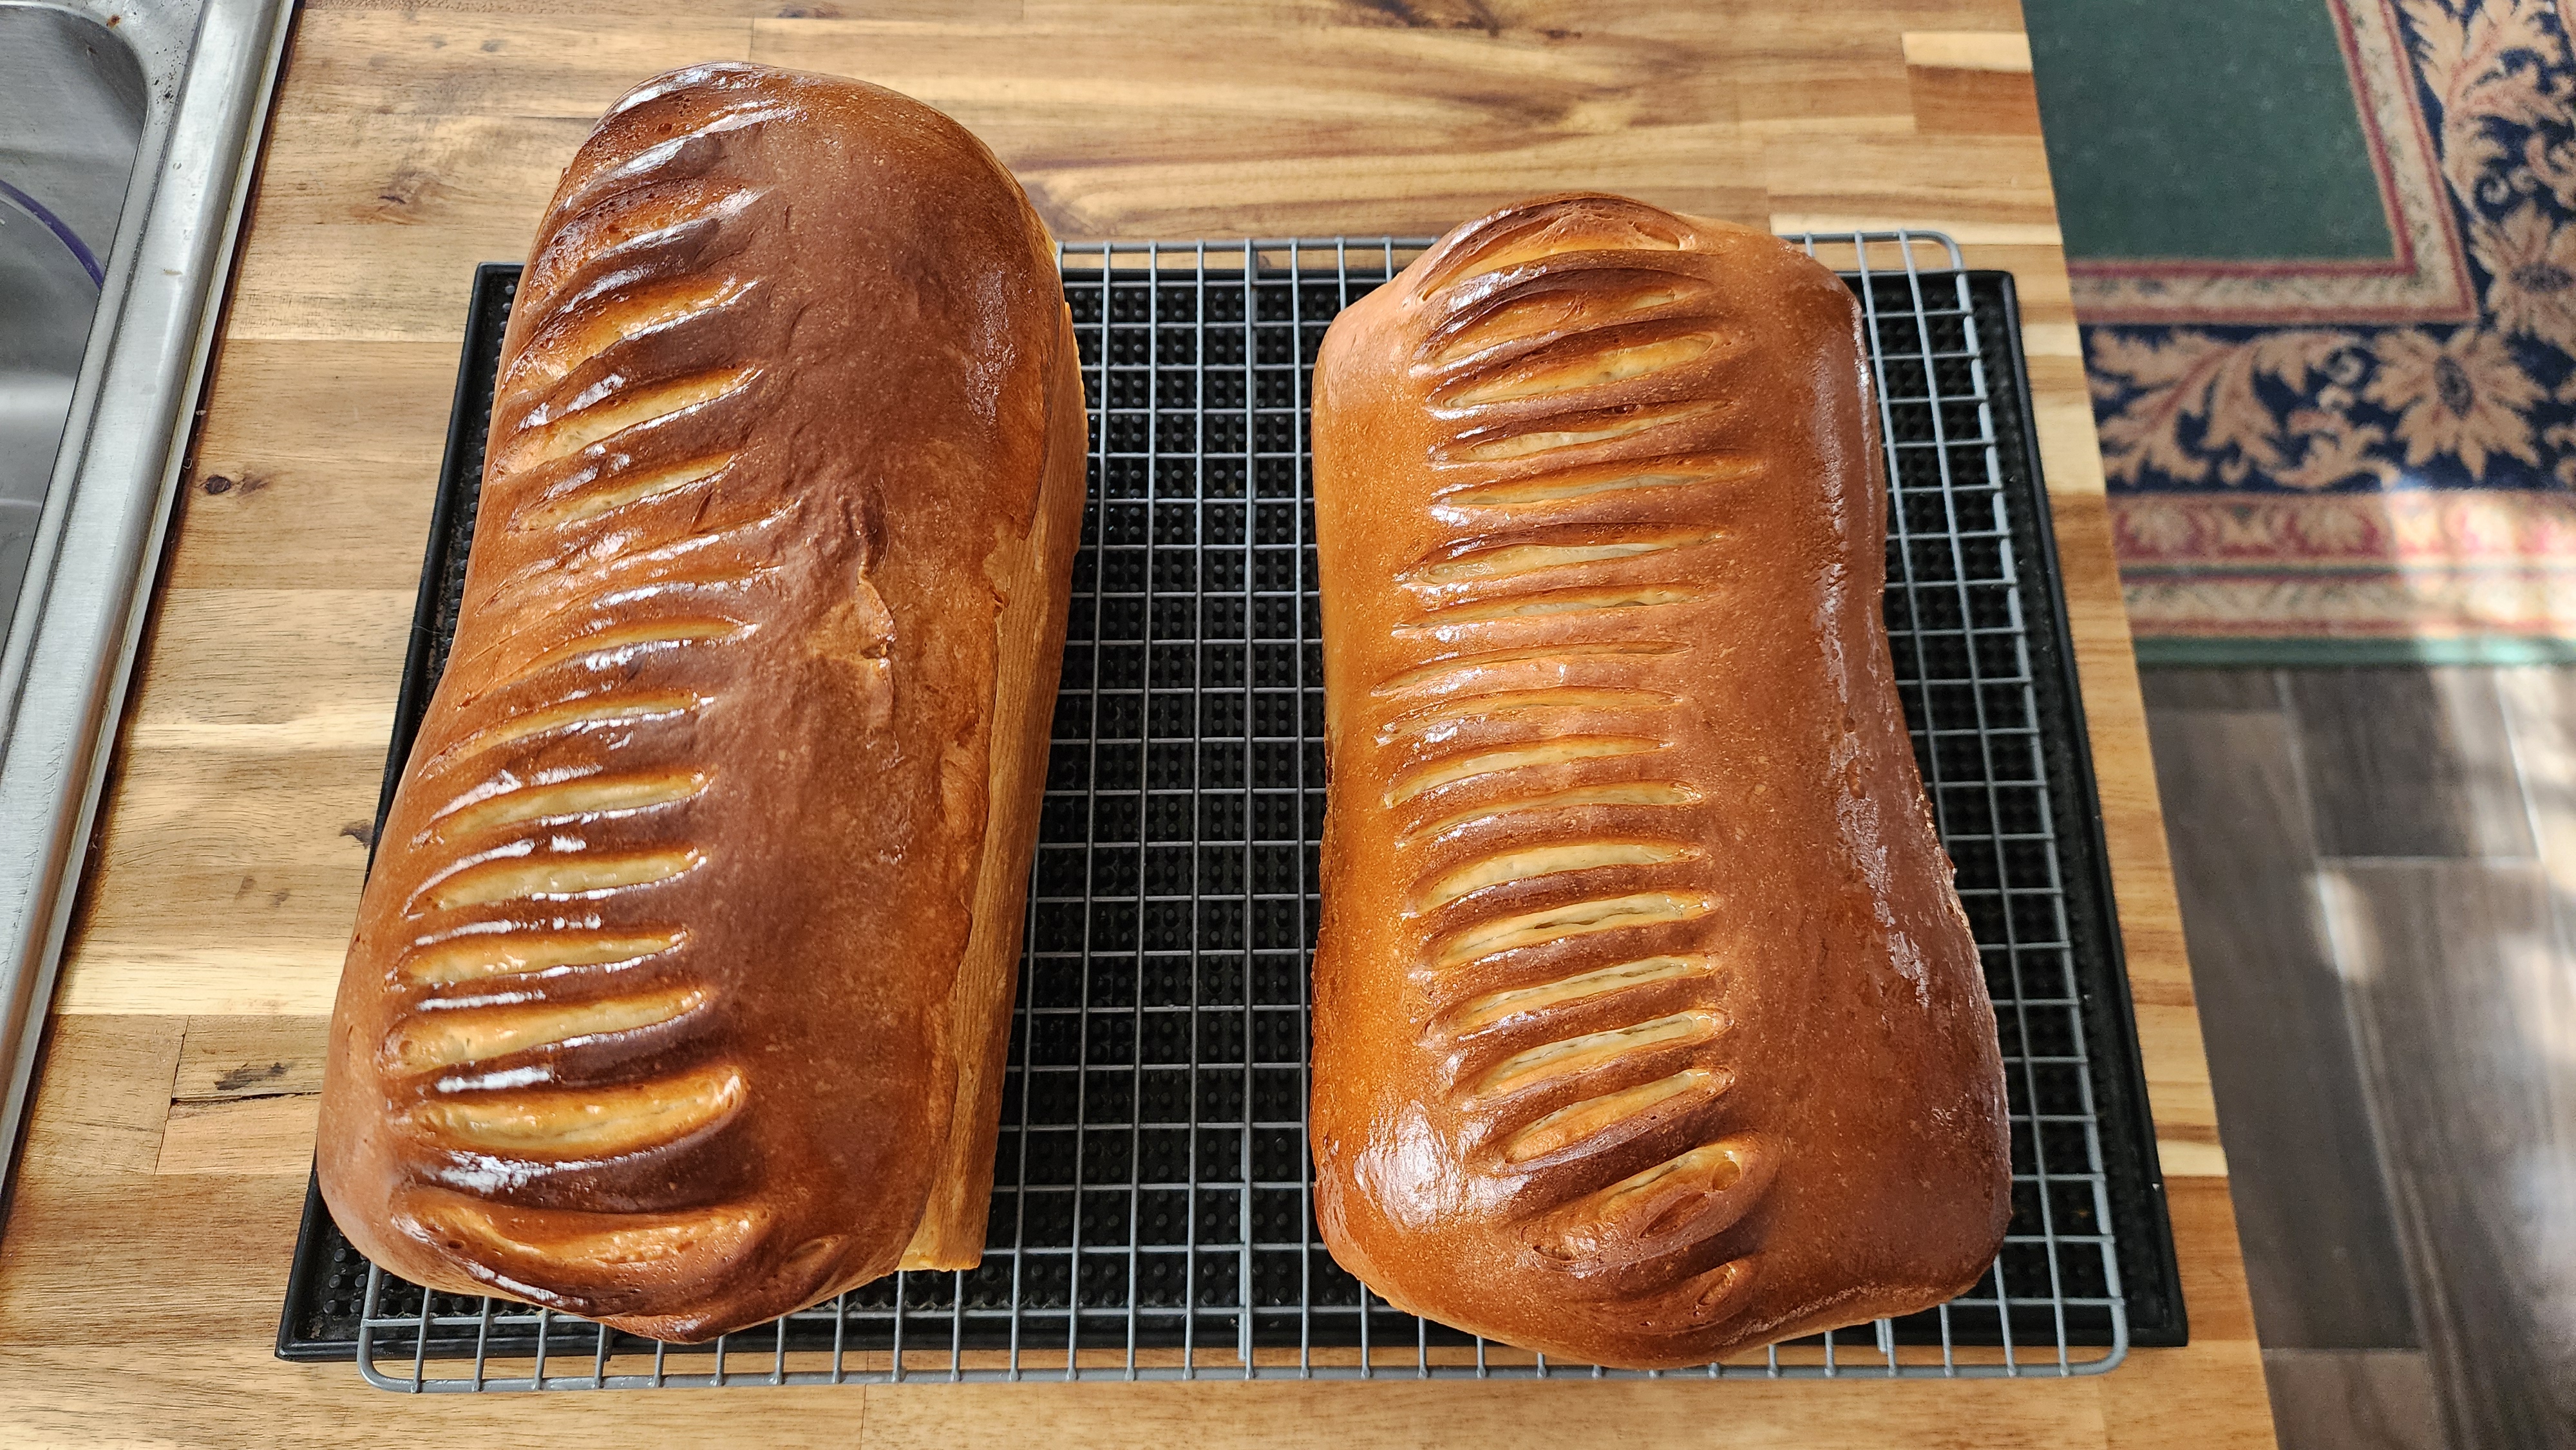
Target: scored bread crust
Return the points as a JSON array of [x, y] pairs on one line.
[[1648, 1027], [680, 991]]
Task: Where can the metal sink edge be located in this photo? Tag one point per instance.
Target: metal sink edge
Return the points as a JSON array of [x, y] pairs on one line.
[[210, 67]]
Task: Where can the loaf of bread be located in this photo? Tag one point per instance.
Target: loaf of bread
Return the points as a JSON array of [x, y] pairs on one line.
[[1648, 1027], [681, 984]]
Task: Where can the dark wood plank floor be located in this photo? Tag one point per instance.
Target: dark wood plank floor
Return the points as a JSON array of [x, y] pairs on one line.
[[2378, 879]]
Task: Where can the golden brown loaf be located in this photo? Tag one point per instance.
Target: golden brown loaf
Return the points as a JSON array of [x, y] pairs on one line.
[[1647, 1023], [682, 980]]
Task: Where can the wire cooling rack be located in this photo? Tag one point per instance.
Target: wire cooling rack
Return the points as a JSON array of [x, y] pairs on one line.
[[1152, 1216]]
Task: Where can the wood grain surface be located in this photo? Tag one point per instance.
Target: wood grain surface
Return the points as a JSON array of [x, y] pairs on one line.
[[144, 1257]]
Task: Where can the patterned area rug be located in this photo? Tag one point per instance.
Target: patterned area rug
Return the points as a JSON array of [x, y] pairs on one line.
[[2358, 458]]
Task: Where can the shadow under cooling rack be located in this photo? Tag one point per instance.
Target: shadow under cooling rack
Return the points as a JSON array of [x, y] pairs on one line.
[[1152, 1215]]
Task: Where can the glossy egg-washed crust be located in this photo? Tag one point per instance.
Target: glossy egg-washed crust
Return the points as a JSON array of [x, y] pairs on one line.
[[681, 984], [1648, 1027]]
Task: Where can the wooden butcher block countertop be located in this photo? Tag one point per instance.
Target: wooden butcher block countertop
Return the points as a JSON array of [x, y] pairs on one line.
[[143, 1261]]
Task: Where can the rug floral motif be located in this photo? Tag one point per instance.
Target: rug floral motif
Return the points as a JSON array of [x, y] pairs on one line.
[[2357, 482]]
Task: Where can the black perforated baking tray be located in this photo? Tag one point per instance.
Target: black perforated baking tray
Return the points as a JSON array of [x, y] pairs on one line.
[[1152, 1214]]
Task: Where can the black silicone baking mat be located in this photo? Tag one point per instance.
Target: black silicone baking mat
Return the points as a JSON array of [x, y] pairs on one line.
[[1152, 1214]]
